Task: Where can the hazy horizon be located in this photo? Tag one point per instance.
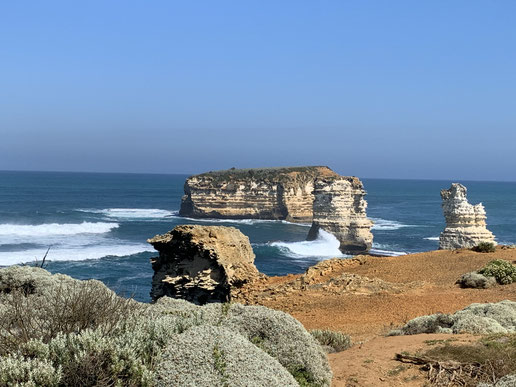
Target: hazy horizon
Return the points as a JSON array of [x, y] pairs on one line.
[[374, 89]]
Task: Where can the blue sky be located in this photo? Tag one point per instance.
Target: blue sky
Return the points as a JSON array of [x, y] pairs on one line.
[[394, 89]]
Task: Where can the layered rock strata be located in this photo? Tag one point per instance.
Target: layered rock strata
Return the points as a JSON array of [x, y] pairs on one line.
[[266, 193], [465, 223], [202, 263], [340, 208]]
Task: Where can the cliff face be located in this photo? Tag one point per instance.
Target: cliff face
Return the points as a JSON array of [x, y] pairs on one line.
[[202, 263], [465, 223], [268, 193], [340, 208]]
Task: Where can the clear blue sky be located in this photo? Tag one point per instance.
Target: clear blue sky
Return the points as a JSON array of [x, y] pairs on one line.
[[408, 89]]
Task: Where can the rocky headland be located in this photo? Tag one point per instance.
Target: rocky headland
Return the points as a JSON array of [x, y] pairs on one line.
[[314, 195], [465, 223]]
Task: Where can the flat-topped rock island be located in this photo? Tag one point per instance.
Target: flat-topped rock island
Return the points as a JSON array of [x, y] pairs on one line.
[[312, 194]]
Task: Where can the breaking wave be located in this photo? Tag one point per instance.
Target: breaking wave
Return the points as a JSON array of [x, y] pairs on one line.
[[432, 238], [132, 213], [49, 229], [325, 246], [72, 253], [387, 225]]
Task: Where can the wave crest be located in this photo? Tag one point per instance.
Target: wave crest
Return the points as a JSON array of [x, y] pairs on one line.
[[50, 229], [325, 246]]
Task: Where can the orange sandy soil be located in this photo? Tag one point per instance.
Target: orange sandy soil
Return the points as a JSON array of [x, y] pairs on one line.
[[416, 285]]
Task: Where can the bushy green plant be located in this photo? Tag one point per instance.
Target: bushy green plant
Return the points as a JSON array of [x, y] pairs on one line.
[[485, 247], [503, 271], [57, 331], [498, 317], [209, 355], [338, 341], [18, 371]]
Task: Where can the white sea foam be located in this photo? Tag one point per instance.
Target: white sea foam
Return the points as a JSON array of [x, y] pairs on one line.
[[69, 253], [241, 221], [132, 213], [387, 225], [49, 229], [325, 246], [432, 238], [384, 249]]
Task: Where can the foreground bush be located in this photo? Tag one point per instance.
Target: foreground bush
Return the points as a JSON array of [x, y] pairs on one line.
[[208, 355], [334, 341], [274, 332], [503, 271], [57, 331]]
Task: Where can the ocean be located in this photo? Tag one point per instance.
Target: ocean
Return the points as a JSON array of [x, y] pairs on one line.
[[96, 225]]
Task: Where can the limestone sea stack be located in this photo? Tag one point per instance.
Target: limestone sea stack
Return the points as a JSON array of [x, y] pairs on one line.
[[340, 208], [465, 223], [202, 263], [261, 193], [314, 194]]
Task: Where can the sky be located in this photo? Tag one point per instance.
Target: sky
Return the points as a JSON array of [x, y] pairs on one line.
[[387, 88]]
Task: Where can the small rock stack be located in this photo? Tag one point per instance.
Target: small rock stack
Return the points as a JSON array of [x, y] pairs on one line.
[[202, 264]]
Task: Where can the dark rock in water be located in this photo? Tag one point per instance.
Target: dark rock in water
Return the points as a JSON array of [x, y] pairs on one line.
[[201, 263]]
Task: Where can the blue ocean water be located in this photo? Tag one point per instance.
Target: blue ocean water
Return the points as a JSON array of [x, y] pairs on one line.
[[96, 225]]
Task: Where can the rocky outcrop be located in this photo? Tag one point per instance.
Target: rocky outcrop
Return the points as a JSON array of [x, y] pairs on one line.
[[331, 202], [266, 193], [465, 223], [202, 263], [340, 208]]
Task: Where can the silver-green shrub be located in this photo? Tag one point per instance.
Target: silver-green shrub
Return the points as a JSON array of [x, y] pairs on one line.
[[499, 317], [334, 341], [275, 332], [57, 331], [16, 370], [206, 356]]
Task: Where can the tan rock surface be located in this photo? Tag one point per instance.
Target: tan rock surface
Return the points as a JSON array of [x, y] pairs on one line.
[[202, 263], [340, 208], [261, 193]]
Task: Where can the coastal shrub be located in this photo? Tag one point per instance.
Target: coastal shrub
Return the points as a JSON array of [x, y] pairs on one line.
[[208, 356], [335, 341], [282, 337], [65, 306], [57, 331], [19, 371], [499, 317], [476, 281], [277, 333], [503, 271], [484, 247]]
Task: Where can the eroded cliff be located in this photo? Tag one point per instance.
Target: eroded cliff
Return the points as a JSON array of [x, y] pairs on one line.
[[340, 208], [465, 223], [266, 193], [202, 263]]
